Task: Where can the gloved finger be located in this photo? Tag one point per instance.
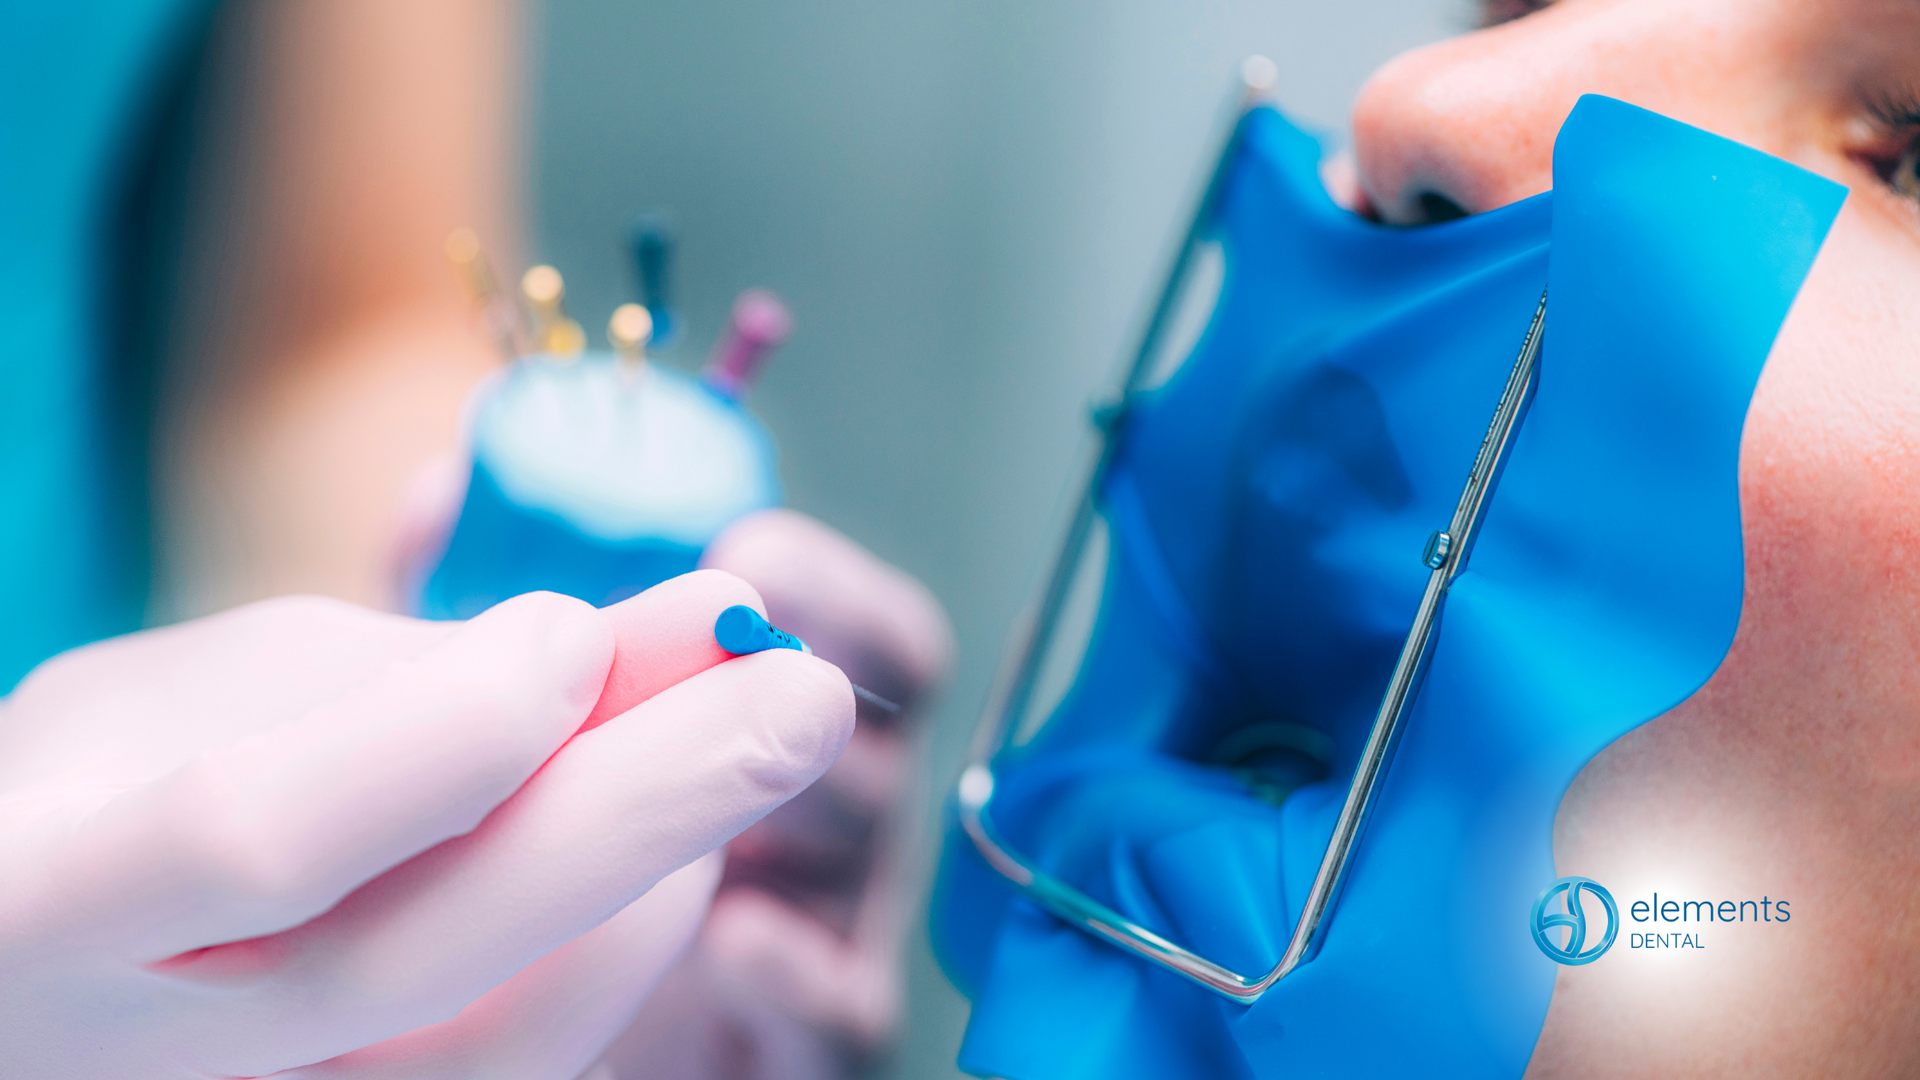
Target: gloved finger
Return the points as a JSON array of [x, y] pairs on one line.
[[878, 624], [555, 1018], [780, 955], [616, 810], [194, 686], [268, 832], [665, 635], [428, 509]]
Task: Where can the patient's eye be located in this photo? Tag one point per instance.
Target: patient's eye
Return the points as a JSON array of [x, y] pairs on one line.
[[1495, 12], [1904, 179], [1897, 154]]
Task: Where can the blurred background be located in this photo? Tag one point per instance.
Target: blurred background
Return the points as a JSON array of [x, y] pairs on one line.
[[967, 205]]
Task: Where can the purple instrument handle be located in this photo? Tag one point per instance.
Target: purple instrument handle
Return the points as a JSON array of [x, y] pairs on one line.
[[760, 324]]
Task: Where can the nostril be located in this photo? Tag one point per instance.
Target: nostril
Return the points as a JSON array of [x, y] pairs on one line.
[[1436, 208]]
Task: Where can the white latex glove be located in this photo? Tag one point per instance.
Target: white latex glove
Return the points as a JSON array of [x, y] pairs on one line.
[[302, 839], [796, 974]]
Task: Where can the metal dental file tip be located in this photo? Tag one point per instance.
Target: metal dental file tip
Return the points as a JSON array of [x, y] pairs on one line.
[[741, 630]]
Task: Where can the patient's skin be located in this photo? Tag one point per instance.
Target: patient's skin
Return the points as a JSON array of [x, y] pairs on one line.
[[1795, 773]]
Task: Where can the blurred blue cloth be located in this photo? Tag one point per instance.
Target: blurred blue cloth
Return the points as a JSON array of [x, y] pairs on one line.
[[79, 92], [1268, 507]]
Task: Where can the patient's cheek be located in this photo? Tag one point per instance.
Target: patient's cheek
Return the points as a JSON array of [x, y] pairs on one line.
[[1830, 487], [1794, 773]]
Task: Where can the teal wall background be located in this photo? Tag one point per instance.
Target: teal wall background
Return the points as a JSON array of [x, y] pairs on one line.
[[965, 202]]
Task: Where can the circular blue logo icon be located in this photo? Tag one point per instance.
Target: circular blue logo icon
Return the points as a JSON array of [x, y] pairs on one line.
[[1564, 896]]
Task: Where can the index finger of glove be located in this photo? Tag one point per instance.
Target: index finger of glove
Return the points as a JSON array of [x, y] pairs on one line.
[[125, 711], [269, 831]]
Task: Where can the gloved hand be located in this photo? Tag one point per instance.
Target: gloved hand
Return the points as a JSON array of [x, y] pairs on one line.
[[796, 974], [305, 840]]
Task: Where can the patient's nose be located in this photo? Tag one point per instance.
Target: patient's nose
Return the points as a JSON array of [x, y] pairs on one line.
[[1468, 124]]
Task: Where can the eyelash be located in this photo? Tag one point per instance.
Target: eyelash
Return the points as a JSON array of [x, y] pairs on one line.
[[1495, 12], [1899, 117]]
